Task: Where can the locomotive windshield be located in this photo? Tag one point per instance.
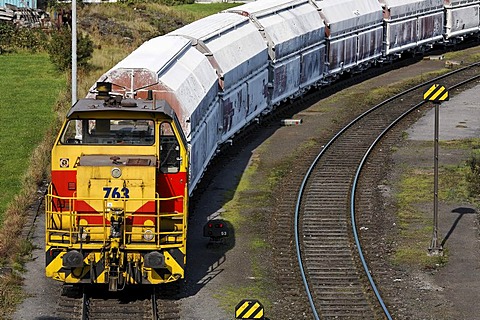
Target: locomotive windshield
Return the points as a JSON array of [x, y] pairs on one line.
[[109, 132]]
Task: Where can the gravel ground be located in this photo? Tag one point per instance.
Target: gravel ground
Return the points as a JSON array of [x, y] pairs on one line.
[[453, 289], [219, 276]]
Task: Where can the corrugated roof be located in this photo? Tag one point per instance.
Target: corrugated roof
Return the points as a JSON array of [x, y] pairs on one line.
[[155, 54], [347, 15], [211, 26], [289, 25], [239, 51], [266, 7], [400, 8]]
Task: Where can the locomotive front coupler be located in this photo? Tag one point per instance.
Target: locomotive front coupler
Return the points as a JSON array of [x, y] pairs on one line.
[[116, 223]]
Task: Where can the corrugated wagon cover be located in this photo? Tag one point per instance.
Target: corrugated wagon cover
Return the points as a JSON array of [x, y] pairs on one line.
[[410, 7], [235, 43], [170, 67], [345, 15], [290, 25]]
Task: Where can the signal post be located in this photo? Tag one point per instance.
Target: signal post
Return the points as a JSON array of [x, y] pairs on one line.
[[436, 94]]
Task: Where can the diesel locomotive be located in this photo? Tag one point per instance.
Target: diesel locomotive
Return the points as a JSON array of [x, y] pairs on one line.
[[116, 209], [131, 153]]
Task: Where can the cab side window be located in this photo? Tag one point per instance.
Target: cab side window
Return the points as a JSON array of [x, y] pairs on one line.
[[169, 150]]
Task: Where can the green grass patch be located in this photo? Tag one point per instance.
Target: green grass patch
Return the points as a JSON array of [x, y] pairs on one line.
[[230, 296], [10, 292], [30, 86], [200, 10], [415, 207], [464, 144], [467, 56]]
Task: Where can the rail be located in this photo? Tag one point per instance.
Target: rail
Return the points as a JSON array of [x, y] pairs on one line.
[[353, 189]]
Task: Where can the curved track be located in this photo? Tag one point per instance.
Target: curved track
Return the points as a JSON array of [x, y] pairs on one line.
[[328, 247]]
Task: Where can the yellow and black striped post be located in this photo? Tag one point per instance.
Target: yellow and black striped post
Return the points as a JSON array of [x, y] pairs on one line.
[[436, 94], [249, 309]]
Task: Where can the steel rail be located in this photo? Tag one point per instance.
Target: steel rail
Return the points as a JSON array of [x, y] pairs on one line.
[[154, 304], [85, 302], [321, 153], [354, 190]]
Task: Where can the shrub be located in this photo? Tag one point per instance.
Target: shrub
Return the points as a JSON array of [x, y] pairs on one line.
[[12, 38], [176, 2], [33, 40], [473, 177], [7, 32], [60, 49]]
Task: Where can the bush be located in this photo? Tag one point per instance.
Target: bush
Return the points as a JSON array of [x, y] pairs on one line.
[[473, 177], [176, 2], [33, 40], [60, 49], [7, 32], [12, 38]]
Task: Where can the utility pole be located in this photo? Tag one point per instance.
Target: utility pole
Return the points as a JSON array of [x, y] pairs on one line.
[[74, 51]]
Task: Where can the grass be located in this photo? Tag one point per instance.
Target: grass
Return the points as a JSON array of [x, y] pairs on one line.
[[199, 10], [415, 196], [467, 56], [30, 86]]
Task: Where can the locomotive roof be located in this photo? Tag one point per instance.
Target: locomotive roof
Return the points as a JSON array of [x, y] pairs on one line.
[[124, 105]]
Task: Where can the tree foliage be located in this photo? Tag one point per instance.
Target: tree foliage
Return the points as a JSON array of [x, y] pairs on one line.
[[473, 177], [176, 2], [13, 38], [60, 49]]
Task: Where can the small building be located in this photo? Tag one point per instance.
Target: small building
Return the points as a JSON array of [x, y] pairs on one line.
[[32, 4]]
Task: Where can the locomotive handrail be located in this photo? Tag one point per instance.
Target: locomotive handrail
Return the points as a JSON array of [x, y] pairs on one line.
[[132, 234]]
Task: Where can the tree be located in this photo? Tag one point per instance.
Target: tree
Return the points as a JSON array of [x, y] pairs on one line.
[[60, 49]]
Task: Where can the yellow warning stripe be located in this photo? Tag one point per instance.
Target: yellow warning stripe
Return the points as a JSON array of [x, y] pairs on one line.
[[240, 310], [249, 309], [444, 97], [252, 310], [436, 93], [429, 91]]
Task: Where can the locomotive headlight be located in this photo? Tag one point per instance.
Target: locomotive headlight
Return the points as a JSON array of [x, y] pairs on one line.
[[148, 235], [116, 172]]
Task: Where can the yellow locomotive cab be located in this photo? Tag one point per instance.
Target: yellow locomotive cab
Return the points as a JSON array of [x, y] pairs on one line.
[[116, 208]]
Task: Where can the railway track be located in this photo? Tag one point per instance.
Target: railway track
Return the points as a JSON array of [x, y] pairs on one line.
[[156, 303], [338, 280]]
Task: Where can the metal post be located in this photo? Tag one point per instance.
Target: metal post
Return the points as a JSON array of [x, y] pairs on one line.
[[435, 249], [74, 51], [78, 134]]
